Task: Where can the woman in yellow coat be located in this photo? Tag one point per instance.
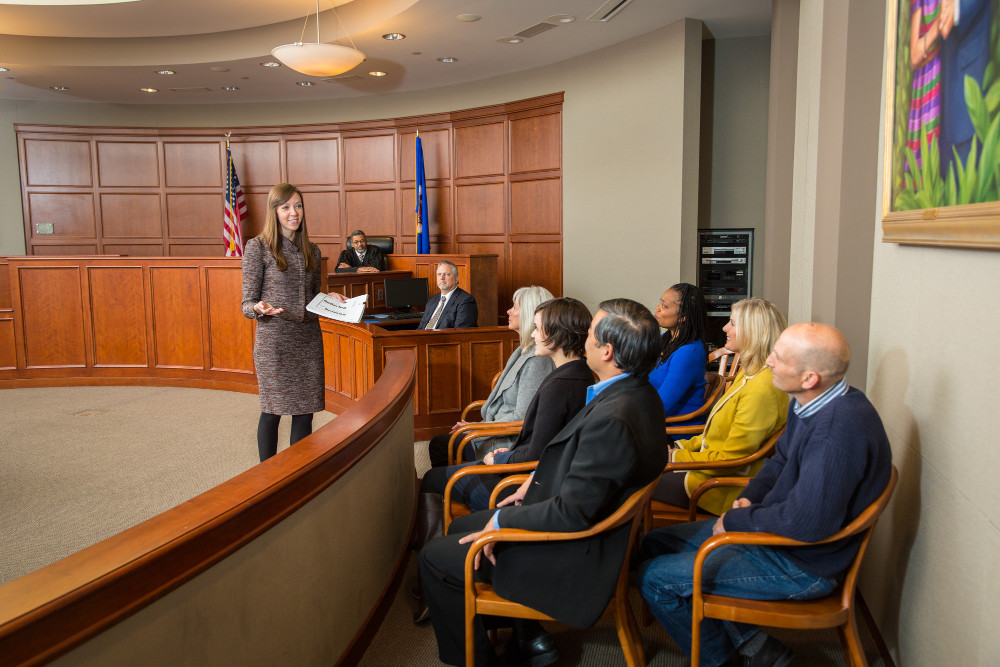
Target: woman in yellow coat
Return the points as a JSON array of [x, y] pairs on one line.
[[750, 412]]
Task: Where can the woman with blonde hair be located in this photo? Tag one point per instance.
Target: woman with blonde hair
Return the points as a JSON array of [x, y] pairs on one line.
[[281, 275], [516, 385], [749, 412]]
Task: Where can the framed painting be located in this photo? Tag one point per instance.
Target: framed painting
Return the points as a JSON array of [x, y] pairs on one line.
[[941, 179]]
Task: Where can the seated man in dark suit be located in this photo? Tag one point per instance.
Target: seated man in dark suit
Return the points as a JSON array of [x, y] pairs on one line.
[[452, 307], [360, 257], [832, 462], [614, 446]]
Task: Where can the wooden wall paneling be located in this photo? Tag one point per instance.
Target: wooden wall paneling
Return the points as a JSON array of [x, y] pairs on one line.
[[194, 216], [535, 141], [322, 216], [479, 149], [257, 212], [49, 249], [257, 163], [53, 317], [57, 162], [488, 359], [131, 216], [436, 144], [194, 164], [134, 249], [8, 356], [127, 164], [361, 355], [381, 359], [195, 249], [71, 214], [498, 248], [444, 377], [313, 161], [371, 210], [230, 334], [480, 208], [369, 159], [438, 212], [177, 316], [537, 261], [346, 381], [6, 298], [536, 206], [118, 306], [331, 361]]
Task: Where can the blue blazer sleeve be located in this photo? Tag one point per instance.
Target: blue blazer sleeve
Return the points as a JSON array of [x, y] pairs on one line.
[[676, 378]]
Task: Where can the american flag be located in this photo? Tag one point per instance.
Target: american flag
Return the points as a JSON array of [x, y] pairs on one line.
[[235, 211]]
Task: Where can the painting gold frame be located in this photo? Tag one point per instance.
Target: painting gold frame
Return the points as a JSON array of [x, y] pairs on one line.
[[965, 226]]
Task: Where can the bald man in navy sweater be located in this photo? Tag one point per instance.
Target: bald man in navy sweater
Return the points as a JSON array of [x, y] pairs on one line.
[[831, 463]]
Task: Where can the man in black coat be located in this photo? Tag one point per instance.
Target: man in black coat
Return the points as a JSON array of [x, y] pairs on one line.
[[615, 445], [360, 257], [459, 309]]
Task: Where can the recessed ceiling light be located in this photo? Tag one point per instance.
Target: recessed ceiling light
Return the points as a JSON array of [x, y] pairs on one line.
[[305, 83], [165, 72], [447, 59], [560, 18], [469, 18], [219, 69], [59, 87], [230, 88], [149, 90], [270, 63], [393, 36], [4, 69], [376, 73], [510, 40]]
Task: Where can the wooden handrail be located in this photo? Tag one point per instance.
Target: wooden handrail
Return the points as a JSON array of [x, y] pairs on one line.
[[48, 612]]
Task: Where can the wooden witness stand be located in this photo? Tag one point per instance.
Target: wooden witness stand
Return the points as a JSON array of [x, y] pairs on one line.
[[176, 322]]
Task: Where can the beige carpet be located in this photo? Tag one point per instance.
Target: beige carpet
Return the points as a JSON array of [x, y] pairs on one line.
[[83, 463]]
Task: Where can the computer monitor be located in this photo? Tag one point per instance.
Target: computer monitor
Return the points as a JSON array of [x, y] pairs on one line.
[[405, 293]]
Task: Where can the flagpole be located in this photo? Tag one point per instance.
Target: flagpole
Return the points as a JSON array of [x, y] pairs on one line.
[[416, 195]]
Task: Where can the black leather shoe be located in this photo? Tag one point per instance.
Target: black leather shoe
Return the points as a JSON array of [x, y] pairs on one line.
[[771, 653], [536, 651]]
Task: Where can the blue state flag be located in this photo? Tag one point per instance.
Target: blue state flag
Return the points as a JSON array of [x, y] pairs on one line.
[[423, 232]]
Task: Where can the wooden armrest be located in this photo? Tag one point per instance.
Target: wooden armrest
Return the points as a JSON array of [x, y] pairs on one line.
[[462, 436], [475, 405], [765, 450], [510, 480], [479, 470], [710, 484]]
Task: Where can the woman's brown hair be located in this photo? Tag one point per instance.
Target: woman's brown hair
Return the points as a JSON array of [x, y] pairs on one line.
[[271, 233]]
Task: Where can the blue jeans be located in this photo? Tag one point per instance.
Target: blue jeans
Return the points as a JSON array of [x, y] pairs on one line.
[[755, 573]]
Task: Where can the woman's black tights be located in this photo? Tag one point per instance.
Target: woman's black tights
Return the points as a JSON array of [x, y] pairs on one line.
[[267, 432]]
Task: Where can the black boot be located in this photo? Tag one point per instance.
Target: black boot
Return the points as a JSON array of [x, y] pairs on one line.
[[430, 519]]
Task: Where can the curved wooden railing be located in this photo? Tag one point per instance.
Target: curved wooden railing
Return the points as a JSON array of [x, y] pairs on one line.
[[220, 541]]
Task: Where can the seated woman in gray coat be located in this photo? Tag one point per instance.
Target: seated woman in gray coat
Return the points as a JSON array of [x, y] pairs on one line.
[[516, 386]]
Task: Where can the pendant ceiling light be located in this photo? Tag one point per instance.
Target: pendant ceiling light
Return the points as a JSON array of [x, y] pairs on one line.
[[316, 58]]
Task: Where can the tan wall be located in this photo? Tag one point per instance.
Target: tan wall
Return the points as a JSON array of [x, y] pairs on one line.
[[739, 142], [623, 137]]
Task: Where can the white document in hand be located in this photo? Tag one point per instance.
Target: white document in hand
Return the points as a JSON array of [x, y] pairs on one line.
[[325, 305]]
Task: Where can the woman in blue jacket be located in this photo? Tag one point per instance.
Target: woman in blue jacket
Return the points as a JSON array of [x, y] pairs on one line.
[[679, 377]]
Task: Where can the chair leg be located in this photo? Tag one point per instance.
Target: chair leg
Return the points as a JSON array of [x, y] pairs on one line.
[[855, 653], [470, 640], [696, 617], [628, 633]]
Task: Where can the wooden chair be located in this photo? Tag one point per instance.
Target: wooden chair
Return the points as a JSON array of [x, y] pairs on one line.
[[729, 363], [480, 597], [836, 610], [664, 514], [464, 434], [715, 384], [454, 509]]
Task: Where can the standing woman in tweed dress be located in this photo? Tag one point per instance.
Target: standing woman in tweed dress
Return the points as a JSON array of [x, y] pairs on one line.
[[281, 275]]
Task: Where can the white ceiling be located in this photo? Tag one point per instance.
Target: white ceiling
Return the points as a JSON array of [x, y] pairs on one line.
[[106, 52]]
